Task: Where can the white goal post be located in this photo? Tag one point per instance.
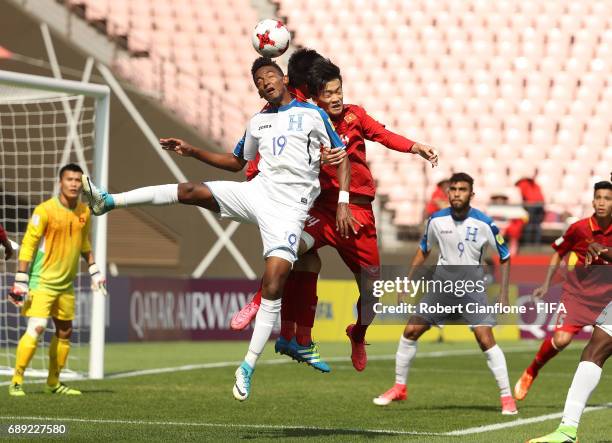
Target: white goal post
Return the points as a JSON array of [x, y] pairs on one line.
[[18, 90]]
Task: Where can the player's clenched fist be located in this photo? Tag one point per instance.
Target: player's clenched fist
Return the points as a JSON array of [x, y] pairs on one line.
[[19, 291], [98, 282], [177, 145]]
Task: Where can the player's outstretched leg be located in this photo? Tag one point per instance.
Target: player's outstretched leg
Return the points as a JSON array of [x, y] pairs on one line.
[[276, 272], [101, 202], [496, 361], [406, 351], [550, 348], [586, 378]]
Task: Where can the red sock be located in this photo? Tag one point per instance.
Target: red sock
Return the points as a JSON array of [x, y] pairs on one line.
[[287, 329], [365, 316], [288, 308], [305, 292], [546, 352], [257, 296]]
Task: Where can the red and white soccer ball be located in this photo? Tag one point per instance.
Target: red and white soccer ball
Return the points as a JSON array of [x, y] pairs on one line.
[[271, 38]]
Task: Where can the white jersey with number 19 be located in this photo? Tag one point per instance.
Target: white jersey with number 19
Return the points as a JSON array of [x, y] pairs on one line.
[[289, 139]]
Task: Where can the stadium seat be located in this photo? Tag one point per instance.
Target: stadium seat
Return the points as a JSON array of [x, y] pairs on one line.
[[541, 72]]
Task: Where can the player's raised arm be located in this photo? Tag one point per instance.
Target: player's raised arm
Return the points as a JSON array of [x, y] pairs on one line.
[[225, 161], [376, 131]]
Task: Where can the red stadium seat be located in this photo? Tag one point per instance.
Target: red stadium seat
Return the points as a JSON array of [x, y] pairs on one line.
[[475, 78]]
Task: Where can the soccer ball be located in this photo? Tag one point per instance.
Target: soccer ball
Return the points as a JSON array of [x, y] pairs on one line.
[[271, 38]]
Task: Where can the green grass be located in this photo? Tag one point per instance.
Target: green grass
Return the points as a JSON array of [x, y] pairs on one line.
[[445, 394]]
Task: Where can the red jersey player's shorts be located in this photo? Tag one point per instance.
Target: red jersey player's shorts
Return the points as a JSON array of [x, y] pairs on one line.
[[586, 292], [359, 252]]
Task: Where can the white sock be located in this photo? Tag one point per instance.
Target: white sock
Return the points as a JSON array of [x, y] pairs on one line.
[[267, 315], [497, 364], [151, 195], [406, 350], [585, 381]]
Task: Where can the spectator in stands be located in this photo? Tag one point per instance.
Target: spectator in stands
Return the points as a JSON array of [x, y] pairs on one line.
[[533, 202], [438, 199], [509, 218]]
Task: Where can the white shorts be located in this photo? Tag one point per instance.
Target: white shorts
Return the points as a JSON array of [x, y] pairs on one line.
[[280, 225], [604, 321]]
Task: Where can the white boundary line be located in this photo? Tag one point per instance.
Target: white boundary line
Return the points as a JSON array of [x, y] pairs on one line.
[[520, 422], [219, 425], [468, 431]]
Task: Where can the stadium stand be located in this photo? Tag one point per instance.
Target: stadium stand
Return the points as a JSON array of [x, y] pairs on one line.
[[477, 79]]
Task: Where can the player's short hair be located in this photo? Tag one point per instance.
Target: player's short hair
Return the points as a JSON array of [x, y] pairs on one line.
[[264, 61], [602, 185], [322, 72], [299, 64], [462, 177], [73, 167]]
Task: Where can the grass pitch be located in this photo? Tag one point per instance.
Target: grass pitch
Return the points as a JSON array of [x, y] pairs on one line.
[[293, 402]]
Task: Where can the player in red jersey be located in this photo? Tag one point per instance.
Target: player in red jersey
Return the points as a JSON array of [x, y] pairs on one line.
[[359, 252], [586, 291], [6, 243]]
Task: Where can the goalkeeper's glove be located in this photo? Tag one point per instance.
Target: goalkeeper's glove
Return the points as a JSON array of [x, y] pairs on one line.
[[98, 282], [19, 291]]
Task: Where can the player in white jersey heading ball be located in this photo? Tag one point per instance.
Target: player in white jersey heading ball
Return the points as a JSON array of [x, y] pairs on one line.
[[288, 136], [462, 233]]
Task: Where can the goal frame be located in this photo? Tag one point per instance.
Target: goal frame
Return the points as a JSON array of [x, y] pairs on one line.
[[101, 95]]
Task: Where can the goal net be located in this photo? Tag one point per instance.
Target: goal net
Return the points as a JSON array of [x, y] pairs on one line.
[[45, 124]]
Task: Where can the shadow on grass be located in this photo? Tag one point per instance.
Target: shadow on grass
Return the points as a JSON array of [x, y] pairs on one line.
[[321, 433], [84, 391], [407, 408]]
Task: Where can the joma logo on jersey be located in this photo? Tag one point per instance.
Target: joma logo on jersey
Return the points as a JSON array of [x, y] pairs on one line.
[[446, 232], [264, 127]]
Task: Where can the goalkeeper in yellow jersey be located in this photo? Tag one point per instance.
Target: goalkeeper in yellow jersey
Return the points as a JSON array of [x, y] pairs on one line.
[[57, 234]]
